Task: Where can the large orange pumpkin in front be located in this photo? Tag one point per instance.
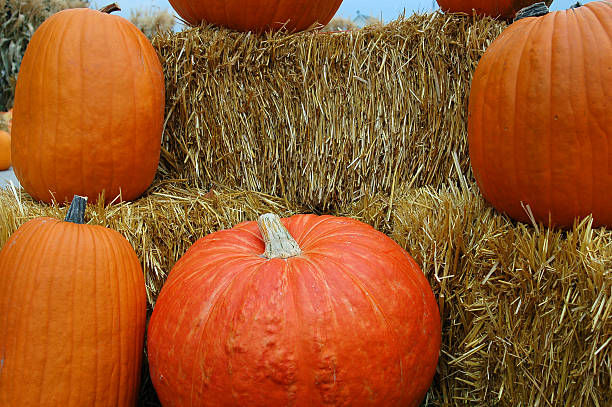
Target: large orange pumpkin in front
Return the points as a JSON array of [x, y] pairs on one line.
[[505, 9], [89, 107], [332, 313], [540, 117], [72, 315], [257, 15]]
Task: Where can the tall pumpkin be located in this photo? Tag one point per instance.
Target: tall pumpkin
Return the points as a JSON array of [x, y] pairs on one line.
[[540, 127], [72, 315], [89, 108], [257, 15], [5, 150], [505, 9], [332, 313]]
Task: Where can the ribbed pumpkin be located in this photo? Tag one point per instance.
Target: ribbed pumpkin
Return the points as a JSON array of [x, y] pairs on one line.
[[257, 15], [5, 150], [340, 315], [72, 315], [505, 9], [89, 108], [540, 127]]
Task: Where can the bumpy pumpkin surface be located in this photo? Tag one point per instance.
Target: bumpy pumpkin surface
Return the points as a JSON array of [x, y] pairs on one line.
[[72, 316], [257, 15], [505, 9], [348, 321], [89, 108], [5, 150], [540, 128]]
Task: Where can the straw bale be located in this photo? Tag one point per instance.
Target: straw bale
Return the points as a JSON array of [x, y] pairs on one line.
[[317, 118], [160, 226], [527, 311]]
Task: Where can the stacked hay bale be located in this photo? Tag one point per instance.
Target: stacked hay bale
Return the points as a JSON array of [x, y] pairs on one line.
[[372, 124], [317, 118]]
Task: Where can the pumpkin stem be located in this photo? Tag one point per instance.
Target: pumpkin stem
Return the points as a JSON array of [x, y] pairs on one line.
[[535, 10], [279, 242], [578, 4], [76, 212], [110, 8]]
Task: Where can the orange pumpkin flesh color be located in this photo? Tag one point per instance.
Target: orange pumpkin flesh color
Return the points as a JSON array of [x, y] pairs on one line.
[[539, 127], [506, 9], [257, 15], [89, 106], [5, 150], [72, 315], [340, 315]]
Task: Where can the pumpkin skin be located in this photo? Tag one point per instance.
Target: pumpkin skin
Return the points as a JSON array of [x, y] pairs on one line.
[[72, 316], [5, 150], [257, 15], [539, 128], [351, 321], [89, 106], [505, 9]]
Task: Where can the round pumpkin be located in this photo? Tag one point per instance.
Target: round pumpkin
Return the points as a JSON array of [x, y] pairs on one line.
[[539, 128], [89, 106], [5, 150], [505, 9], [72, 315], [332, 313], [257, 15]]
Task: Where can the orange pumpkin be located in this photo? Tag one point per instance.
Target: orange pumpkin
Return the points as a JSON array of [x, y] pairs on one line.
[[539, 127], [332, 313], [506, 9], [88, 110], [5, 150], [72, 315], [257, 15]]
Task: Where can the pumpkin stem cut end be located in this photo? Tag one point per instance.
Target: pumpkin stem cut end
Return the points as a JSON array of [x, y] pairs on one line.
[[279, 242], [76, 212], [110, 8], [535, 10]]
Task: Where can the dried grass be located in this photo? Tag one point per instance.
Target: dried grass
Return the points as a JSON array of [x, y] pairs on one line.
[[152, 21], [527, 311], [160, 226], [19, 19], [318, 118]]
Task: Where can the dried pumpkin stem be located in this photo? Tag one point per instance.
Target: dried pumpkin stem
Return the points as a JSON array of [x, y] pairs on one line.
[[110, 8], [535, 10], [76, 212], [279, 242]]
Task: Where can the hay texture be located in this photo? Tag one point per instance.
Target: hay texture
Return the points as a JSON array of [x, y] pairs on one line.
[[160, 226], [526, 311], [321, 118]]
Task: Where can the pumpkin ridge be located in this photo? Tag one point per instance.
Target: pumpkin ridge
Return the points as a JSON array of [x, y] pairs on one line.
[[52, 173], [12, 283], [516, 96], [43, 86], [121, 29], [213, 310], [319, 276], [55, 234]]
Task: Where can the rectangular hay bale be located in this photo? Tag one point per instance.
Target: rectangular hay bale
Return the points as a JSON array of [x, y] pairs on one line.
[[526, 311], [319, 118]]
